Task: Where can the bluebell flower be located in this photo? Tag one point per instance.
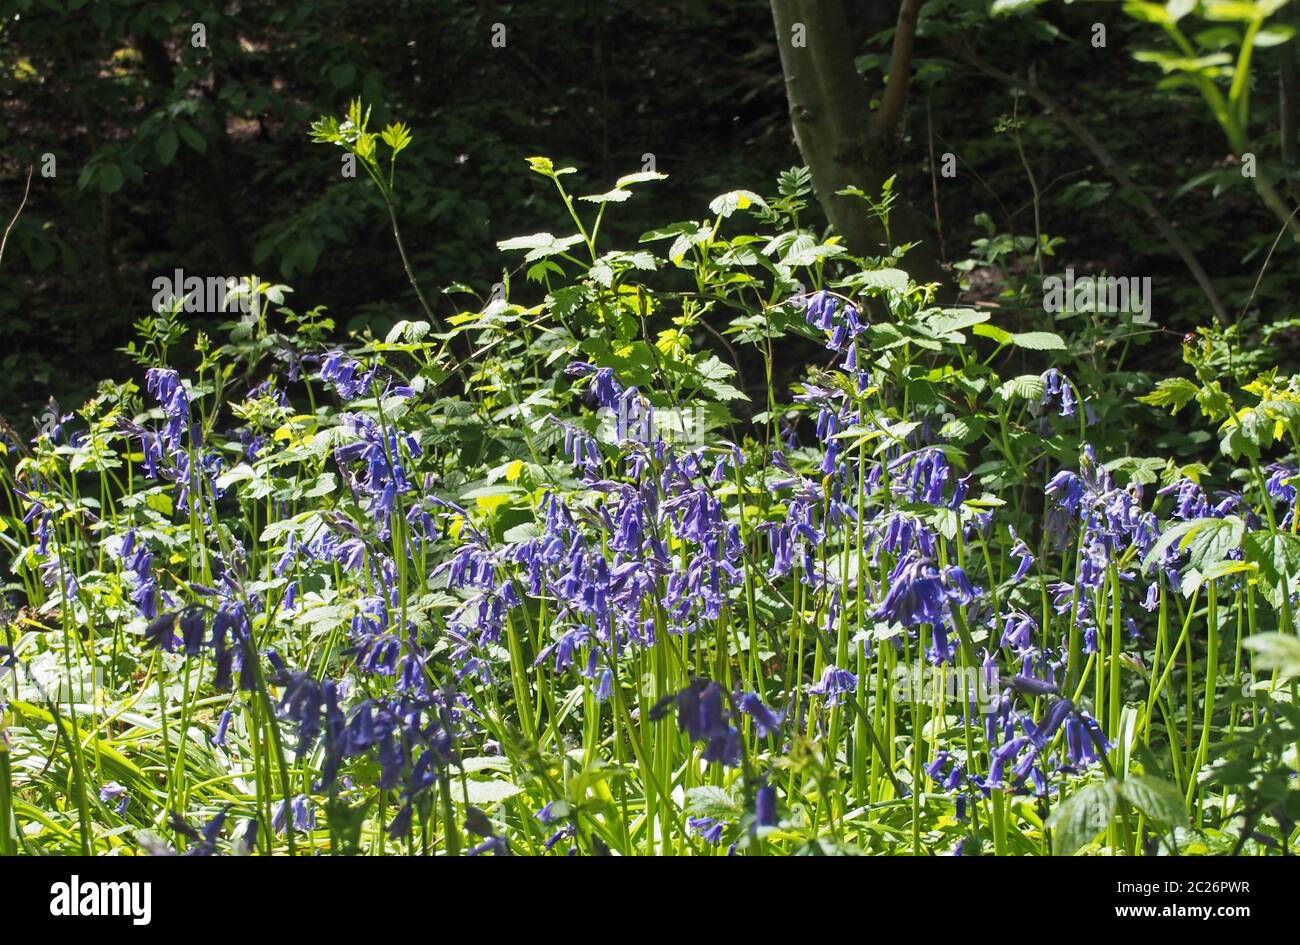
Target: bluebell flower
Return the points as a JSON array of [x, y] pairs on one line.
[[710, 830], [159, 633], [1057, 387], [835, 684], [1083, 739], [1025, 558], [304, 816], [819, 310], [218, 738], [767, 721], [116, 795], [765, 806], [702, 715], [348, 375], [1033, 687], [1067, 489], [165, 384]]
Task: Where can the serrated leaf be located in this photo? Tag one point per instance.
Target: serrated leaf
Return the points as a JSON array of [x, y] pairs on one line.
[[1081, 817], [875, 281], [1156, 798], [609, 196], [1278, 559], [1000, 335], [1205, 540], [1172, 392], [1026, 387], [956, 319], [1038, 341], [639, 178], [714, 802], [483, 793], [727, 204], [540, 245]]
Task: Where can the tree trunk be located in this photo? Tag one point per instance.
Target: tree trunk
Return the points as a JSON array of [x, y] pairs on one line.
[[833, 128]]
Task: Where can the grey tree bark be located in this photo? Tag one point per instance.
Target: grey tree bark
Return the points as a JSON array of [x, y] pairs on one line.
[[838, 137]]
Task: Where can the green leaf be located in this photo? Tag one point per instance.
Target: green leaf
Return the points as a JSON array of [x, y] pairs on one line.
[[110, 178], [1026, 386], [1278, 559], [610, 196], [728, 203], [166, 144], [1206, 541], [1081, 817], [1038, 341], [1156, 798], [239, 473], [709, 801], [407, 331], [1006, 7], [639, 178], [807, 255], [540, 245], [1000, 335], [483, 793], [160, 502], [956, 319], [397, 136], [962, 430], [879, 280], [1172, 392], [192, 138], [1211, 544]]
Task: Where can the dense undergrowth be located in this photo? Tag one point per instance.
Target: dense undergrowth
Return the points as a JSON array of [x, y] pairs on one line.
[[547, 578]]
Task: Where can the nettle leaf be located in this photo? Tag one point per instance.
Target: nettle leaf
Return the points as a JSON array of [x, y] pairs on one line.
[[1172, 392], [1143, 469], [640, 177], [1006, 7], [1214, 401], [1081, 817], [714, 374], [483, 793], [609, 196], [238, 473], [540, 245], [728, 203], [875, 281], [1038, 341], [1211, 544], [407, 331], [1277, 651], [1206, 541], [682, 245], [667, 232], [714, 802], [807, 255], [1278, 559], [1000, 335], [955, 319], [1156, 798]]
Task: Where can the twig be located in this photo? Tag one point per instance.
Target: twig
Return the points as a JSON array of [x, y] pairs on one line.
[[1267, 259], [17, 212]]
